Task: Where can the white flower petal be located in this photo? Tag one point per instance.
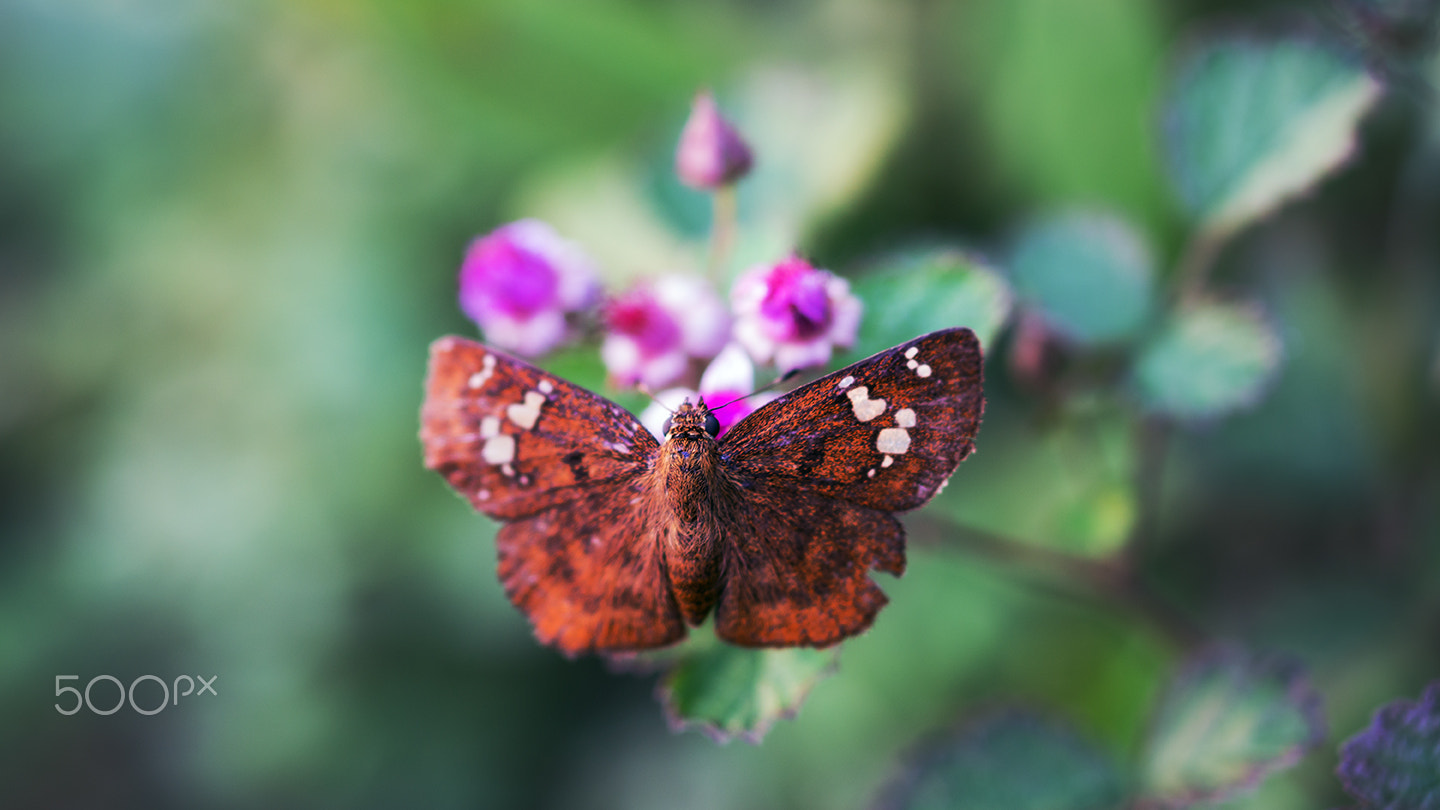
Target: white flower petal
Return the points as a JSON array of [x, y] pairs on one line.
[[731, 370]]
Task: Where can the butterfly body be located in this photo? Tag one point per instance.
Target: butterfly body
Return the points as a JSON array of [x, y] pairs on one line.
[[616, 541]]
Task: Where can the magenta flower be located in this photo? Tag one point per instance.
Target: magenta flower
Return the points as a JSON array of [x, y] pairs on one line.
[[729, 378], [711, 153], [656, 328], [793, 315], [520, 281]]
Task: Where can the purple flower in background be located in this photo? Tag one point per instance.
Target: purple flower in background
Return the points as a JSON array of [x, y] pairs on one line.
[[1395, 762], [519, 282], [711, 153], [793, 315], [655, 329], [728, 378]]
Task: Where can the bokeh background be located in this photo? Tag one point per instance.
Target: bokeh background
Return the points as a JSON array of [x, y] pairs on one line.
[[228, 230]]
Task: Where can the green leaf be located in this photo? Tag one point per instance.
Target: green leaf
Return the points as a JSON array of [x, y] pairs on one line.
[[1007, 761], [1229, 720], [1089, 275], [1250, 123], [922, 291], [733, 692], [1209, 360], [1070, 489], [1395, 763]]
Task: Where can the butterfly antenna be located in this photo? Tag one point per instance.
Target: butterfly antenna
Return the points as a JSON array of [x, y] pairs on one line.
[[645, 389], [762, 389]]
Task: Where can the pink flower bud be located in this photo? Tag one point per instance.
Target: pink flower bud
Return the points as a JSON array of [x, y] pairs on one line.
[[654, 329], [792, 314], [711, 153], [519, 282]]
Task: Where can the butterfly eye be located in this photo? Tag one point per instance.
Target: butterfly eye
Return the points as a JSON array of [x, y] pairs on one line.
[[712, 425], [665, 428]]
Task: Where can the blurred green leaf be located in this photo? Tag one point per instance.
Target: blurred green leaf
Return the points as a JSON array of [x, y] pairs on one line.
[[1250, 123], [731, 692], [1007, 761], [1089, 275], [1211, 359], [1395, 763], [923, 291], [1070, 489], [1059, 91], [1229, 720]]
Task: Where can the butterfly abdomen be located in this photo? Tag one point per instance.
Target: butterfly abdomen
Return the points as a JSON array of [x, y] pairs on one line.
[[689, 474]]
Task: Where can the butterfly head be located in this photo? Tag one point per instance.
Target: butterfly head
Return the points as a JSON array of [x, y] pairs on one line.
[[692, 422]]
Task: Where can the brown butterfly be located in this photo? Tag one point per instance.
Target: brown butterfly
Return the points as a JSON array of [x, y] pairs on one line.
[[614, 542]]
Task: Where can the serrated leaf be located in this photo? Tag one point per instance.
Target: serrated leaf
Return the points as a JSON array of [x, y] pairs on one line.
[[1209, 360], [1228, 721], [1007, 761], [927, 290], [1250, 123], [731, 692], [1394, 764], [1089, 275]]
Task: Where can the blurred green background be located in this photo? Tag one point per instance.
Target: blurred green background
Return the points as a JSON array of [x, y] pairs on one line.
[[228, 230]]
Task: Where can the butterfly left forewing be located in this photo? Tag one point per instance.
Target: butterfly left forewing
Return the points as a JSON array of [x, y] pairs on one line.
[[516, 440], [886, 432]]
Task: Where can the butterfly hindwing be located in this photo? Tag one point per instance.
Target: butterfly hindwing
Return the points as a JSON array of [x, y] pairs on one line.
[[797, 570], [886, 432], [514, 439], [589, 574]]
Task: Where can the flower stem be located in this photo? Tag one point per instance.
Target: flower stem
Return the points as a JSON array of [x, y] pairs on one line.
[[1195, 263], [722, 231]]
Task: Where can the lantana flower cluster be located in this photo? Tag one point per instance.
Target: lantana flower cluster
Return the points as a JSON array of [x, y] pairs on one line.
[[530, 291]]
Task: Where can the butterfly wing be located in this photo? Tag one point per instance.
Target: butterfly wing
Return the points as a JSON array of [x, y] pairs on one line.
[[886, 432], [797, 570], [589, 573], [516, 440], [822, 469], [566, 469]]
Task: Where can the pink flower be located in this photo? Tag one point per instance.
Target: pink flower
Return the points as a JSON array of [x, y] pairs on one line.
[[793, 315], [656, 328], [729, 378], [711, 153], [519, 282]]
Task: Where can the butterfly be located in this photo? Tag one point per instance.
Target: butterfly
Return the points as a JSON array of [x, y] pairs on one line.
[[615, 542]]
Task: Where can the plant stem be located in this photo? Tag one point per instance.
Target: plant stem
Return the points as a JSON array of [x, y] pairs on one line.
[[1112, 580], [1195, 262], [724, 213]]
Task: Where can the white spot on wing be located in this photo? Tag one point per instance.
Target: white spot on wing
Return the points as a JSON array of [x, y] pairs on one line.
[[499, 450], [923, 370], [893, 440], [888, 461], [483, 495], [911, 352], [913, 364], [545, 387], [864, 407], [526, 413], [905, 418], [489, 426], [870, 473], [847, 381]]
